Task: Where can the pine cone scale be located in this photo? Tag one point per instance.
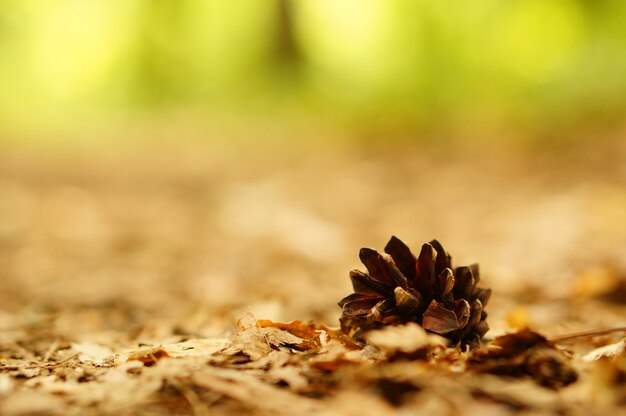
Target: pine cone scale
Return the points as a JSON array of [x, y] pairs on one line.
[[483, 295], [440, 320], [443, 260], [358, 301], [462, 312], [426, 269], [407, 302], [402, 256], [394, 273], [445, 282], [464, 282], [364, 283], [475, 313], [375, 265]]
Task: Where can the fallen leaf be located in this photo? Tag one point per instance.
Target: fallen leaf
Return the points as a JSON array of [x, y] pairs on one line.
[[610, 350], [409, 340], [196, 347], [256, 342], [92, 353], [148, 355], [525, 353], [314, 336]]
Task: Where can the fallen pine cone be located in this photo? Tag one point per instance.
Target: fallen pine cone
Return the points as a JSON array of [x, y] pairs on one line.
[[400, 288]]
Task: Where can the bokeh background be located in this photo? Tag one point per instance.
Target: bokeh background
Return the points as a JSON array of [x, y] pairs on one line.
[[171, 164], [394, 67]]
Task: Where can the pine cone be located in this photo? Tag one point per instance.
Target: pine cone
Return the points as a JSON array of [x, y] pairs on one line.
[[399, 288]]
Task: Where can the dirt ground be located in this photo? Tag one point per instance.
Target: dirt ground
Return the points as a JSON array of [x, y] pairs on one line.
[[110, 253]]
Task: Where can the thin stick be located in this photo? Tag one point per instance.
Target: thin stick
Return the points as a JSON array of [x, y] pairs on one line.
[[63, 361], [588, 334], [51, 350]]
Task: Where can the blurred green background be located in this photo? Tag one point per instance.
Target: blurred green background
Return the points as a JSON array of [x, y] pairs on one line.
[[370, 67]]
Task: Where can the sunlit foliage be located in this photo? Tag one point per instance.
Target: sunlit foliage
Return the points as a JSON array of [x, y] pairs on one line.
[[372, 61]]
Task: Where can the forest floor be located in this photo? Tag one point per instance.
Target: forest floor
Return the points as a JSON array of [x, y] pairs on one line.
[[131, 277]]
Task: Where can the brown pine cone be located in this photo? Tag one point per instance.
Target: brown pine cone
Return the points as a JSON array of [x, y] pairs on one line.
[[400, 288]]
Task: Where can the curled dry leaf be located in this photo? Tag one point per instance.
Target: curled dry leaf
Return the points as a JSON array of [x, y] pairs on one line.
[[405, 341], [610, 350], [399, 288], [330, 349], [148, 355], [313, 336], [251, 341], [525, 353], [255, 342]]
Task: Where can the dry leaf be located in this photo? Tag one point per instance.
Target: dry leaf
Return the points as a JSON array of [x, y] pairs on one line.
[[409, 340], [196, 347], [256, 342], [92, 353], [314, 336], [525, 353], [610, 350], [148, 355]]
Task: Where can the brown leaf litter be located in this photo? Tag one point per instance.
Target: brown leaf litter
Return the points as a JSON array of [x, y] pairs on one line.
[[269, 367], [122, 282]]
